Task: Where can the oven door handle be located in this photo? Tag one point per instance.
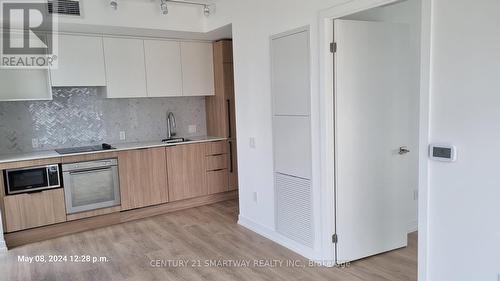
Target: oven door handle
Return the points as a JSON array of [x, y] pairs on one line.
[[88, 171]]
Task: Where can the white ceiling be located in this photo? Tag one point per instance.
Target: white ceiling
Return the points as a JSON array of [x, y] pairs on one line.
[[220, 33]]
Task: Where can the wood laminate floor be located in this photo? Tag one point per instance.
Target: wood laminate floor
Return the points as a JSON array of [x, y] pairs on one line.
[[199, 236]]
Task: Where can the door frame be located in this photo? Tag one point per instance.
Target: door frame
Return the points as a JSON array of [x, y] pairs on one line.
[[326, 87]]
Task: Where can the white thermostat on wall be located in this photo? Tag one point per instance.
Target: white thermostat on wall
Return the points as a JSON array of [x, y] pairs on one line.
[[443, 152]]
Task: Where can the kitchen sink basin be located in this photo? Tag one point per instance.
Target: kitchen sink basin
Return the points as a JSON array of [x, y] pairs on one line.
[[175, 140]]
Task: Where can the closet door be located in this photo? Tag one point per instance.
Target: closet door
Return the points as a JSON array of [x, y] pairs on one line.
[[290, 58]]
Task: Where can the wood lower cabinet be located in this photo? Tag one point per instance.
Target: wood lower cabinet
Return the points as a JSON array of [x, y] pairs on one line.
[[31, 210], [217, 159], [217, 162], [186, 175], [216, 148], [217, 181], [186, 171], [143, 178]]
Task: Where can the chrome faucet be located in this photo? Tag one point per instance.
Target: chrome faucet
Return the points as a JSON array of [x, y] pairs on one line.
[[170, 125]]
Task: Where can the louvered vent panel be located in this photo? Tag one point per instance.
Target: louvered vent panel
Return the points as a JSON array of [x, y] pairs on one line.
[[294, 218], [64, 7]]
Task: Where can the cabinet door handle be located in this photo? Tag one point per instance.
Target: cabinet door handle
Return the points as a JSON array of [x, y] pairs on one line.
[[34, 192], [230, 156], [89, 171], [228, 103], [217, 170]]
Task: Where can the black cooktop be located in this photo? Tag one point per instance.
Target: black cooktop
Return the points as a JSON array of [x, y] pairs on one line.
[[82, 149]]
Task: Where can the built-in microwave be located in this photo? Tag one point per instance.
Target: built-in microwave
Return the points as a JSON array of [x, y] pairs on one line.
[[32, 179]]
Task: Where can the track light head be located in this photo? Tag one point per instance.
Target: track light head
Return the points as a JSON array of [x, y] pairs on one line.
[[206, 10], [164, 7], [114, 4]]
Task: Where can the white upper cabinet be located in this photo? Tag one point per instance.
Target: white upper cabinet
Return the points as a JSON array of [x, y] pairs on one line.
[[24, 84], [197, 69], [125, 69], [163, 68], [80, 62]]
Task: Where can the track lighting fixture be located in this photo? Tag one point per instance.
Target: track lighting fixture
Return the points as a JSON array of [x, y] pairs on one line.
[[207, 9]]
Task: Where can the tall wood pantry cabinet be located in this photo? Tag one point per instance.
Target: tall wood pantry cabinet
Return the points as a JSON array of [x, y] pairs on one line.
[[221, 118]]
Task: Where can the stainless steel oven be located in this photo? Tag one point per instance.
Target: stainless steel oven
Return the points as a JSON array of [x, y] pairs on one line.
[[32, 179], [91, 185]]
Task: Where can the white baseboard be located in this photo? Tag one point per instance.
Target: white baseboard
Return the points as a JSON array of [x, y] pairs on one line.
[[413, 227], [302, 250], [278, 238]]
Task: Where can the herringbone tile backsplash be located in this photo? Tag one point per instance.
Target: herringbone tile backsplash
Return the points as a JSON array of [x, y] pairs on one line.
[[82, 116]]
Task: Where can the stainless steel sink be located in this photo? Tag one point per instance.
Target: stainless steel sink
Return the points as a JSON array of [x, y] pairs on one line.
[[175, 140]]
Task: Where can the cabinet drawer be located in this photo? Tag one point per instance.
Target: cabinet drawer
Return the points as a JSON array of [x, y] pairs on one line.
[[217, 181], [25, 211], [216, 162], [215, 148]]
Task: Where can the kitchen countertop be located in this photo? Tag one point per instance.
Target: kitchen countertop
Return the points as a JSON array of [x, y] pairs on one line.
[[37, 155]]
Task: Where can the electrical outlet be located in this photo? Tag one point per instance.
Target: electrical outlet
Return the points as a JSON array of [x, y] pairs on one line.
[[252, 142], [255, 197], [34, 143], [415, 196], [192, 129], [122, 135]]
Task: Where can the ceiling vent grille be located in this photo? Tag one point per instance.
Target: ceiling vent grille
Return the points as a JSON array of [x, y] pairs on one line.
[[64, 7]]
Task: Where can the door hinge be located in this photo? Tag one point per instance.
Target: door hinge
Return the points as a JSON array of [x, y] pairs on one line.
[[335, 238], [333, 47]]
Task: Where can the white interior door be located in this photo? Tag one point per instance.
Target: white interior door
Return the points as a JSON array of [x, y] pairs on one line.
[[372, 92]]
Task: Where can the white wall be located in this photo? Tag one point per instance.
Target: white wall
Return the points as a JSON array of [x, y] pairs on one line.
[[408, 12], [253, 25], [464, 197]]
